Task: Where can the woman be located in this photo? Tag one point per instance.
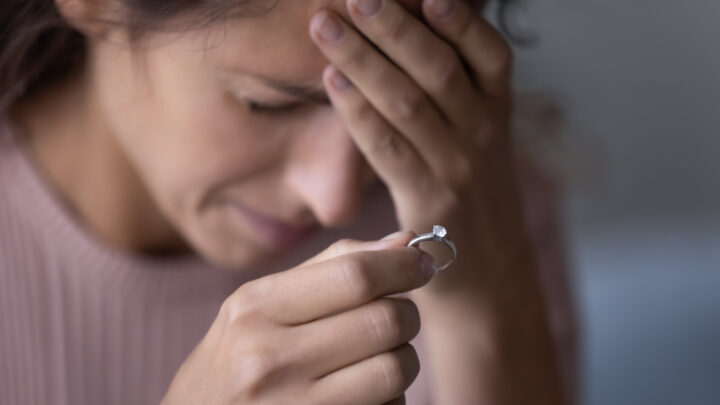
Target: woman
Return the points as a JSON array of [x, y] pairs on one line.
[[170, 170]]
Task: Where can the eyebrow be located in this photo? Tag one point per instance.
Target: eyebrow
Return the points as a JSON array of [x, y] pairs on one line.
[[303, 93]]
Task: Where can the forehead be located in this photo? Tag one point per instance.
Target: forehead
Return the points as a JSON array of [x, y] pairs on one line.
[[277, 43]]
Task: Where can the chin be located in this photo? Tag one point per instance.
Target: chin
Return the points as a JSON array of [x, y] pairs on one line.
[[235, 255], [223, 247], [224, 240]]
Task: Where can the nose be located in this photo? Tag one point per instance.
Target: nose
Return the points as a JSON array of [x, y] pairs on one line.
[[328, 172]]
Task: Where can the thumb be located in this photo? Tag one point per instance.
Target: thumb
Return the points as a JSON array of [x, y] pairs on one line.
[[346, 246]]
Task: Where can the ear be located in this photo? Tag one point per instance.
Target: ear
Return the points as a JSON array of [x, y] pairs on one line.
[[89, 17]]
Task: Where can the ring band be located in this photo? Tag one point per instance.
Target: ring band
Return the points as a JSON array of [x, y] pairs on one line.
[[439, 234]]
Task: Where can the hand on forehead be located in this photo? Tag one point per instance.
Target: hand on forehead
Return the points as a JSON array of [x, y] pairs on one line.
[[413, 6]]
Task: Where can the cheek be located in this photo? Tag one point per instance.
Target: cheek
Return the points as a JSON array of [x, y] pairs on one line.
[[205, 144], [184, 136]]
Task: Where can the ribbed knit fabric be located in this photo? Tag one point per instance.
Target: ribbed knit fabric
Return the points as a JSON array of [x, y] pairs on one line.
[[81, 323]]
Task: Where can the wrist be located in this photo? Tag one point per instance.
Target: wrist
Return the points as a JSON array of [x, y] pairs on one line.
[[500, 324]]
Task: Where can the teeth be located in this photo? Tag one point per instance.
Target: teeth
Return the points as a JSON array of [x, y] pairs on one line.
[[439, 231]]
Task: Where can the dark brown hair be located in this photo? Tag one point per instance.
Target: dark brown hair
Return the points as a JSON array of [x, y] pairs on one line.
[[37, 46]]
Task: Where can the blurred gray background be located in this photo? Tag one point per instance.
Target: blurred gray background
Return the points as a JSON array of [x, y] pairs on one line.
[[640, 86]]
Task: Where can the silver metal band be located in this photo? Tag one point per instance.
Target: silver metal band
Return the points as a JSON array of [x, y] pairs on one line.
[[439, 234]]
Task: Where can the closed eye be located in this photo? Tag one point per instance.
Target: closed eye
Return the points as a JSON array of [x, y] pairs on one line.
[[259, 108]]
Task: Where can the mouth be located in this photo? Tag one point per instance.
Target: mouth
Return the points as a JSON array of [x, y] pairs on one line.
[[273, 231]]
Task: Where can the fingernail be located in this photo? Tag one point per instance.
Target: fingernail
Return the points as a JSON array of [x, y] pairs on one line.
[[427, 265], [328, 26], [369, 8], [340, 81], [393, 235], [441, 8]]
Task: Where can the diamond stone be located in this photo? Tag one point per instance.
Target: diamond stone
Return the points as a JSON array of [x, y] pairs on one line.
[[439, 231]]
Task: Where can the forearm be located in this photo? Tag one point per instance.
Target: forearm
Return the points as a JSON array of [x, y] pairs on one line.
[[493, 344]]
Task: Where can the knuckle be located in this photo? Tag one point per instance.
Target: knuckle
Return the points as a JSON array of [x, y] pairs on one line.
[[356, 277], [447, 200], [466, 26], [502, 60], [393, 374], [486, 128], [355, 55], [412, 267], [237, 306], [400, 27], [363, 112], [409, 105], [385, 143], [341, 246], [397, 401], [228, 311], [413, 317], [387, 323], [446, 70], [255, 370], [462, 169], [422, 186]]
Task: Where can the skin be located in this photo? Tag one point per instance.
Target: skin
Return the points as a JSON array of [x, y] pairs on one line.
[[426, 112]]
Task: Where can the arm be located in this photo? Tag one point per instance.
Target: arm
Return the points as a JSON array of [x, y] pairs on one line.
[[520, 345], [435, 127], [492, 344]]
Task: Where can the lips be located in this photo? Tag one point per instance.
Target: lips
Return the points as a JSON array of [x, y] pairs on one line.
[[278, 233]]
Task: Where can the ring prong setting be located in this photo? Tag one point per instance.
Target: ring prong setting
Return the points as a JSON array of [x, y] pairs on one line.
[[439, 234], [439, 231]]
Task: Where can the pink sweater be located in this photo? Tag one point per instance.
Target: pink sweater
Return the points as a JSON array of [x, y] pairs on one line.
[[81, 323]]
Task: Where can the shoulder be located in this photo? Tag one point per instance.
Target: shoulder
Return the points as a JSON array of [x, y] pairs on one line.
[[14, 207], [10, 171]]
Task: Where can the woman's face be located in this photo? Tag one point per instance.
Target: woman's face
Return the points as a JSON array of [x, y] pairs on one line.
[[231, 132]]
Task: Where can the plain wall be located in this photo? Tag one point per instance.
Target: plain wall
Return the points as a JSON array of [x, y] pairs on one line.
[[640, 86]]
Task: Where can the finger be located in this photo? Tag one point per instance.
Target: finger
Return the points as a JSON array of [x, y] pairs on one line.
[[392, 92], [376, 380], [358, 334], [345, 246], [429, 60], [304, 294], [484, 48], [397, 401], [395, 160]]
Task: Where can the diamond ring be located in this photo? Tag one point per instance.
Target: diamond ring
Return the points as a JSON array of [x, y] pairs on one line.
[[439, 234]]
